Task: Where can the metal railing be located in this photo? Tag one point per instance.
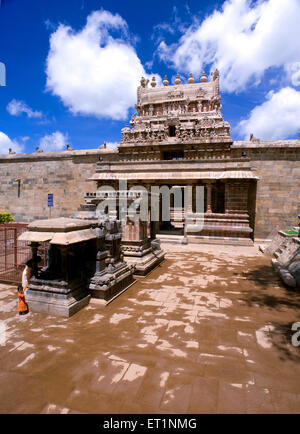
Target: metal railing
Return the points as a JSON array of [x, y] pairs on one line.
[[14, 253]]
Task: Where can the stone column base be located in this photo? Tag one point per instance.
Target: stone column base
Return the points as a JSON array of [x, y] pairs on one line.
[[55, 297], [107, 284], [144, 258]]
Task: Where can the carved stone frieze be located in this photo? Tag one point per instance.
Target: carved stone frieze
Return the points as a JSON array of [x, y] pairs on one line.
[[192, 108]]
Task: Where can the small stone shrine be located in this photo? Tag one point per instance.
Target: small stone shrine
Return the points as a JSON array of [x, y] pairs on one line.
[[112, 275], [83, 261], [140, 247]]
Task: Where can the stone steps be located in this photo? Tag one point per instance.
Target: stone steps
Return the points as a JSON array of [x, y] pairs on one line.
[[171, 239]]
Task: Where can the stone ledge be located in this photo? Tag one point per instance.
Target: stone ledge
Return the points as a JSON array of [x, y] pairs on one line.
[[9, 158], [197, 239], [266, 144]]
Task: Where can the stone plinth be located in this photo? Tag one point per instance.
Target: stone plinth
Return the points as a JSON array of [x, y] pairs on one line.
[[138, 249], [106, 284], [216, 228], [56, 297], [144, 255]]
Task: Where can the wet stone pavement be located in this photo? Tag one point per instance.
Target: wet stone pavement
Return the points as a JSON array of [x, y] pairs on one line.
[[209, 331]]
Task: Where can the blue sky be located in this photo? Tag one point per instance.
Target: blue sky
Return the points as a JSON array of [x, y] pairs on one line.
[[72, 67]]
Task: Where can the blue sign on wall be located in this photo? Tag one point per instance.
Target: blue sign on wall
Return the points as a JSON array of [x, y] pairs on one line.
[[50, 199]]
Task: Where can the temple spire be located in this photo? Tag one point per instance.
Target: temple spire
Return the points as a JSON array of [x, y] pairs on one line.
[[177, 80], [153, 82], [203, 78], [191, 79]]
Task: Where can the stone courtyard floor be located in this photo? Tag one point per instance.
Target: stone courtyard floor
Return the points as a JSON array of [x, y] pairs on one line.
[[209, 331]]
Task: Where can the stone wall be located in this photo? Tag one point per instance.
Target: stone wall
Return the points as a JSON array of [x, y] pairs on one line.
[[278, 196], [278, 190], [63, 174]]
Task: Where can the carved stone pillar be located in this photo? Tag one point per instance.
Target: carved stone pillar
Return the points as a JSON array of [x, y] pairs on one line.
[[140, 247], [208, 197], [64, 263], [34, 248], [189, 198]]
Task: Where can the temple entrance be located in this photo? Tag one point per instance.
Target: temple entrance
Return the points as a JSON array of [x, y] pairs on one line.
[[171, 228], [175, 224]]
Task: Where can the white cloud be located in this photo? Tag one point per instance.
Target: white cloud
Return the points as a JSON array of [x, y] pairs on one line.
[[16, 108], [54, 142], [277, 118], [242, 40], [293, 72], [6, 143], [93, 72], [112, 145]]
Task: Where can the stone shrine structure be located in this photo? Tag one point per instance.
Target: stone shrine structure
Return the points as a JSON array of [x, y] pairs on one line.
[[140, 248], [84, 261], [112, 275]]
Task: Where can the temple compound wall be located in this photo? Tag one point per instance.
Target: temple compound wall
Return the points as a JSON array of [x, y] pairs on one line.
[[65, 174], [27, 179], [277, 165]]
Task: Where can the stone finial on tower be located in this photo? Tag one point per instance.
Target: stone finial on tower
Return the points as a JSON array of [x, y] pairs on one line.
[[144, 82], [215, 75], [203, 78], [177, 79], [253, 139], [191, 79], [166, 81], [153, 82]]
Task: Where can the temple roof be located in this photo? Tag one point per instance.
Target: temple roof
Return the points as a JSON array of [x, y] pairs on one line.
[[179, 91], [60, 231], [177, 175], [61, 224], [182, 92]]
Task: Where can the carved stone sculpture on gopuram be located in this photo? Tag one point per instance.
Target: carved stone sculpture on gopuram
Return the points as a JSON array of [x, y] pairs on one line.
[[182, 112]]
